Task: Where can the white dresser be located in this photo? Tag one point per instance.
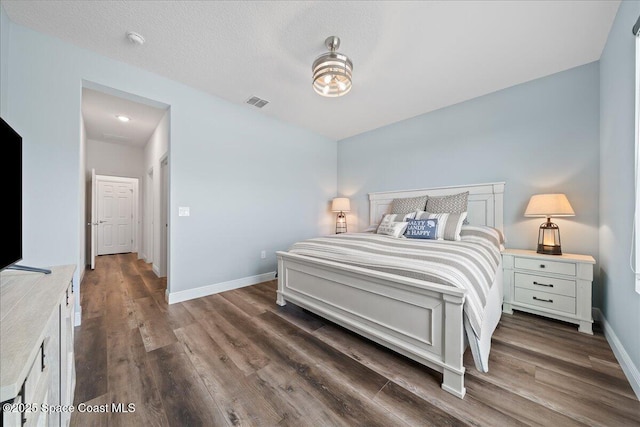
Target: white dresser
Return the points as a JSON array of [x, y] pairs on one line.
[[37, 373], [556, 286]]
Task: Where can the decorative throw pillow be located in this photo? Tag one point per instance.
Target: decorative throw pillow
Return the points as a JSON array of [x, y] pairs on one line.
[[410, 204], [422, 229], [455, 203], [392, 228], [449, 224], [397, 217]]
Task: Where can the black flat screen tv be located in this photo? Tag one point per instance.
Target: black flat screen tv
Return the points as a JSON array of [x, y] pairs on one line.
[[11, 178]]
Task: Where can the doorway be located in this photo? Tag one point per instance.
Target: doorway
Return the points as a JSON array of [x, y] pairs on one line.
[[124, 138]]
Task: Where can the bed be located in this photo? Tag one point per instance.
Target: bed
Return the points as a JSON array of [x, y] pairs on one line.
[[421, 319]]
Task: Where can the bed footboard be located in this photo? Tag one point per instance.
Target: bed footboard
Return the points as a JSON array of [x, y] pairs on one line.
[[420, 320]]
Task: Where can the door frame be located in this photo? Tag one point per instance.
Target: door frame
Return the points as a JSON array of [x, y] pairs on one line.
[[163, 257], [93, 233], [149, 217], [135, 232]]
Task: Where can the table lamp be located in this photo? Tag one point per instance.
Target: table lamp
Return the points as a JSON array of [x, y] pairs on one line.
[[341, 205], [548, 205]]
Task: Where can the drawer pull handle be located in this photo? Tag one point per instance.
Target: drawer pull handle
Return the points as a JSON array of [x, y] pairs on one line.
[[542, 299], [542, 266], [42, 357], [550, 285]]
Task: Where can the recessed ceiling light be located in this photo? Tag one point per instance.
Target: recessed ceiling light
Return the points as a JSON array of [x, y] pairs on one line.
[[124, 119]]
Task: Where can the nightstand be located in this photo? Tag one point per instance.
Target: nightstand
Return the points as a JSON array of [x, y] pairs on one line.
[[555, 286]]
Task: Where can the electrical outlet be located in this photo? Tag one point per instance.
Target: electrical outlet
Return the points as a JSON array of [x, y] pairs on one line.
[[263, 254]]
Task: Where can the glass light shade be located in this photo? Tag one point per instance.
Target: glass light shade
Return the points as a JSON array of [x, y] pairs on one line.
[[341, 204], [549, 239], [332, 71], [341, 223]]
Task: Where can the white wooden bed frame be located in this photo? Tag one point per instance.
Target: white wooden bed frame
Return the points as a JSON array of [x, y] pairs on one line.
[[419, 319]]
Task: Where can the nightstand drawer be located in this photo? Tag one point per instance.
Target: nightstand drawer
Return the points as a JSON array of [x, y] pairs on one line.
[[542, 265], [546, 284], [546, 300]]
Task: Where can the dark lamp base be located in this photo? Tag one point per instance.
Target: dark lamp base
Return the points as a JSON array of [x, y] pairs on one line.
[[549, 249]]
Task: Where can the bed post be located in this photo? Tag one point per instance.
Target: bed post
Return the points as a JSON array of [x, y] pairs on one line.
[[453, 373], [281, 275]]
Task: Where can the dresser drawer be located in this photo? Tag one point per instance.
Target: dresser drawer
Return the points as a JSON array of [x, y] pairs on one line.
[[547, 300], [546, 284], [33, 377], [555, 267]]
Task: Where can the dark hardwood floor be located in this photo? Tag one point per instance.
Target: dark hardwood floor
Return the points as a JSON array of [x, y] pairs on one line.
[[236, 358]]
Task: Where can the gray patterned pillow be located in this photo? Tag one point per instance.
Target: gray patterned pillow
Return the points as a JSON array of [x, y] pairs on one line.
[[455, 203], [410, 204]]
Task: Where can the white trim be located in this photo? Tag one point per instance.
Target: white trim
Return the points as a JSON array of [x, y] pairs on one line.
[[78, 319], [636, 266], [630, 370], [155, 269], [203, 291]]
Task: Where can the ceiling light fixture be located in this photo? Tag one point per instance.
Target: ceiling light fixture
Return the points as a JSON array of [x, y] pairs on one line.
[[122, 118], [332, 71], [135, 38]]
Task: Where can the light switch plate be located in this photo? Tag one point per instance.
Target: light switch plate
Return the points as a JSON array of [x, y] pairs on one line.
[[183, 211]]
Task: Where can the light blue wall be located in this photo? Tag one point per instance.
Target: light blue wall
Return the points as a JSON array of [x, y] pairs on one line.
[[4, 60], [620, 302], [540, 136], [252, 182]]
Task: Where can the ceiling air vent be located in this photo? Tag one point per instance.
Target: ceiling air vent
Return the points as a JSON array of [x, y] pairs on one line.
[[257, 102]]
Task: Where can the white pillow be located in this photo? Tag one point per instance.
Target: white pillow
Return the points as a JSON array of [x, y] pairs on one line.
[[390, 227], [393, 229], [399, 217]]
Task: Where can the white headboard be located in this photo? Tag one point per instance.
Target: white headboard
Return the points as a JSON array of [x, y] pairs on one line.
[[485, 202]]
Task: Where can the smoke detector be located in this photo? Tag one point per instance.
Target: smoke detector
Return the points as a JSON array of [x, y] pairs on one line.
[[135, 38]]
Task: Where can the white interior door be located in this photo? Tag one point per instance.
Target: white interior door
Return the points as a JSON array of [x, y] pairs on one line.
[[94, 220], [115, 217]]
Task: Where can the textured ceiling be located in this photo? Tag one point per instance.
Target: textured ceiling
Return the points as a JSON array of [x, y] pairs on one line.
[[99, 111], [409, 57]]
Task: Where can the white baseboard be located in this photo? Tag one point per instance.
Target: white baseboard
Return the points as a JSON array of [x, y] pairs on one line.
[[155, 269], [203, 291], [627, 365], [78, 319]]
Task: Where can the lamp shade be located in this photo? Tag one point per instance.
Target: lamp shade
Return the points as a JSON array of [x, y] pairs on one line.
[[340, 204], [548, 205]]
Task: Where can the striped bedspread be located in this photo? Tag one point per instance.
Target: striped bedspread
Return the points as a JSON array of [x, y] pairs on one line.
[[469, 264]]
